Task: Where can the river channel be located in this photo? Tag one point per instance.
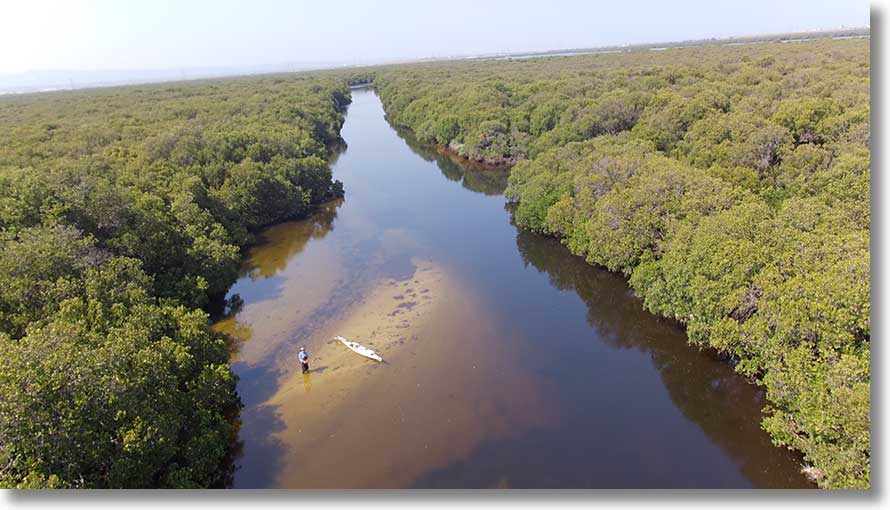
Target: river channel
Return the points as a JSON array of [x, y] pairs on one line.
[[508, 362]]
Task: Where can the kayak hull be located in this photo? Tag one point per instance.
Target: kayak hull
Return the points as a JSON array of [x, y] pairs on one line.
[[359, 349]]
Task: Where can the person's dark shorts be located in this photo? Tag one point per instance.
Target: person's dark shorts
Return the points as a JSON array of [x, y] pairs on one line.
[[305, 367]]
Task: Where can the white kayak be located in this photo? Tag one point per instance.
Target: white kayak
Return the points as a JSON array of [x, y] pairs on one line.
[[359, 349]]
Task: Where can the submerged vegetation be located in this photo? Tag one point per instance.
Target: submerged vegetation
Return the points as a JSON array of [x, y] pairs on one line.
[[730, 184], [122, 212]]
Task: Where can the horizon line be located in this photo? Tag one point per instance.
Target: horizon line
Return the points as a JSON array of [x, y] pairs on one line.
[[282, 68]]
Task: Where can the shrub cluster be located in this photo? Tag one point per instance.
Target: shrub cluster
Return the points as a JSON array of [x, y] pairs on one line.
[[122, 212]]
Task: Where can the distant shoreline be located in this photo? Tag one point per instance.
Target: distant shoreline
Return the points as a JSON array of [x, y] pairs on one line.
[[106, 78]]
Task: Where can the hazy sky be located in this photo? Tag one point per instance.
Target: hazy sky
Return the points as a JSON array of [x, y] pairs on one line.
[[170, 34]]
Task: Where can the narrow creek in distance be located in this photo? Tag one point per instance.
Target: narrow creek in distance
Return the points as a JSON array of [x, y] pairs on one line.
[[508, 361]]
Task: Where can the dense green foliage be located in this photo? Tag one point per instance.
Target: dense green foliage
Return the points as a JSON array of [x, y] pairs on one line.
[[730, 184], [122, 211]]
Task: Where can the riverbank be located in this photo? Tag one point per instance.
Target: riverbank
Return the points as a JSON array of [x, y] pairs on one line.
[[740, 213], [118, 231], [813, 474], [498, 161], [451, 151]]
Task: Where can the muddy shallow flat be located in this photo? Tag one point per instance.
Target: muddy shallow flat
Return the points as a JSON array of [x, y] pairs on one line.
[[353, 422]]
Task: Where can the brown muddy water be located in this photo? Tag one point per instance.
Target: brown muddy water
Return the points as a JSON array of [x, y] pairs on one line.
[[508, 362]]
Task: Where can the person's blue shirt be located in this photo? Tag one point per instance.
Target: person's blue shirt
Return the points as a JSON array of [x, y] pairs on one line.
[[304, 357]]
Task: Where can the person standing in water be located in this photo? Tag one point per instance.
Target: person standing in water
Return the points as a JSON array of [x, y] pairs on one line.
[[304, 359]]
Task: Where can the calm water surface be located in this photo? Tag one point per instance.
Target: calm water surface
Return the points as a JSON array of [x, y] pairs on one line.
[[509, 362]]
